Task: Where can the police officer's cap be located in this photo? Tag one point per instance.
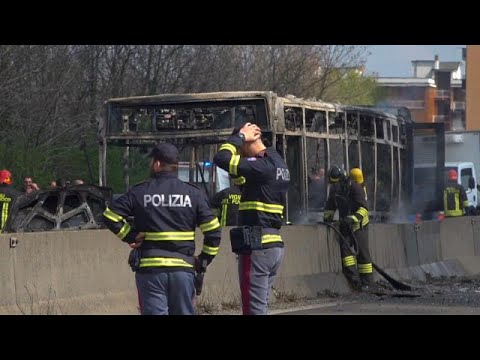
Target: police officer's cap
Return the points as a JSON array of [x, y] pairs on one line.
[[165, 153]]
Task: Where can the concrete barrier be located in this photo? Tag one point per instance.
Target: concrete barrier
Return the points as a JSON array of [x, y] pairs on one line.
[[311, 265], [7, 274], [221, 287], [387, 248], [312, 262], [476, 235], [428, 240], [86, 272], [71, 272], [457, 237], [410, 244]]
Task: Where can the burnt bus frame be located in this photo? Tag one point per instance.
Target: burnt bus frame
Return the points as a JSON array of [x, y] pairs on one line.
[[400, 146]]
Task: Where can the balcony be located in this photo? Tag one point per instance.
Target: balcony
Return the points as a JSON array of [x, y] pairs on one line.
[[440, 118], [458, 105], [442, 94], [410, 104]]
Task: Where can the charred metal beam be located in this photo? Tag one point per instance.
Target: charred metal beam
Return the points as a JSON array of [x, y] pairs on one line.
[[69, 208]]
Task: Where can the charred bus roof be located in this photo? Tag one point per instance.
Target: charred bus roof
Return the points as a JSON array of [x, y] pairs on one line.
[[191, 97]]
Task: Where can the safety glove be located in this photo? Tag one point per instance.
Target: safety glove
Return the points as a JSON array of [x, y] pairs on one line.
[[201, 264], [202, 261], [347, 223], [328, 216]]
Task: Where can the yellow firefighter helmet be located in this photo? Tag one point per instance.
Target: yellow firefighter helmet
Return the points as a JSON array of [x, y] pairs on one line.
[[357, 175]]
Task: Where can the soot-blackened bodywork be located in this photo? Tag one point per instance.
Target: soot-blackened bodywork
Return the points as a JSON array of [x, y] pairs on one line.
[[69, 208], [309, 134]]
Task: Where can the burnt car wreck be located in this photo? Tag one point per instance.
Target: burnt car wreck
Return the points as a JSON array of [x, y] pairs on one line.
[[63, 208]]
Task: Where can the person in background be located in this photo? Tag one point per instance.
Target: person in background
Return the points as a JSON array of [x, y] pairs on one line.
[[62, 183], [8, 194], [455, 200], [316, 190], [28, 185], [225, 205]]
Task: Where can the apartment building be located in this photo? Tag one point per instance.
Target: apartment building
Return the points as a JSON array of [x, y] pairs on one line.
[[471, 55], [434, 93]]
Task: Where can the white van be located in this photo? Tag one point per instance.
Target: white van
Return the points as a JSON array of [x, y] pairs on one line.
[[467, 178], [424, 183]]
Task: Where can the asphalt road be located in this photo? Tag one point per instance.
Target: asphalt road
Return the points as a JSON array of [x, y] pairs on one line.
[[380, 308], [444, 296], [455, 296]]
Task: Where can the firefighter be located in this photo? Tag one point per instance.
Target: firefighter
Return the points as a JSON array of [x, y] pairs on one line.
[[356, 174], [166, 211], [455, 200], [349, 198], [225, 205], [261, 210], [8, 194]]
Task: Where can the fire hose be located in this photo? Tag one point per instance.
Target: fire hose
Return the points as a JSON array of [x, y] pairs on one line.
[[199, 275], [341, 239]]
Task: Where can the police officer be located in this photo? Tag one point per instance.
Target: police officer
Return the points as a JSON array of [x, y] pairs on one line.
[[455, 200], [350, 199], [225, 205], [262, 204], [8, 194], [166, 211]]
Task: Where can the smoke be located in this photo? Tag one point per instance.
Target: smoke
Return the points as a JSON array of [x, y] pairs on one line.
[[300, 218], [400, 215], [417, 211]]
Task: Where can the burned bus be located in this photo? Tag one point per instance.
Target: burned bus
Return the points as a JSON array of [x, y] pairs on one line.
[[310, 134]]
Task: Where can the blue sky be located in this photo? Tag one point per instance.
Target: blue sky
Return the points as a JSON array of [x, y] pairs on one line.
[[395, 60]]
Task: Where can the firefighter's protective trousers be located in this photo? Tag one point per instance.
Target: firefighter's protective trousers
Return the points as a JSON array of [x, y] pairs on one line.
[[359, 267]]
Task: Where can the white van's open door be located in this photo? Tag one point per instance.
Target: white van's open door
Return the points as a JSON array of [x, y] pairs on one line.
[[223, 179], [467, 178]]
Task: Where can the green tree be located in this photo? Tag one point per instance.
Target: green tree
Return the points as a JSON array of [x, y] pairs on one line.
[[51, 96], [353, 88]]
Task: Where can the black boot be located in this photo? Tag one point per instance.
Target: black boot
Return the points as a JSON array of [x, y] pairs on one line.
[[366, 281], [351, 273], [372, 287]]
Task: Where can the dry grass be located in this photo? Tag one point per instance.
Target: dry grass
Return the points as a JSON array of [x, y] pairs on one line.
[[35, 306]]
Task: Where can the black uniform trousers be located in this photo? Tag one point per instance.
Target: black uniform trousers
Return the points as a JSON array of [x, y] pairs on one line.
[[358, 270]]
